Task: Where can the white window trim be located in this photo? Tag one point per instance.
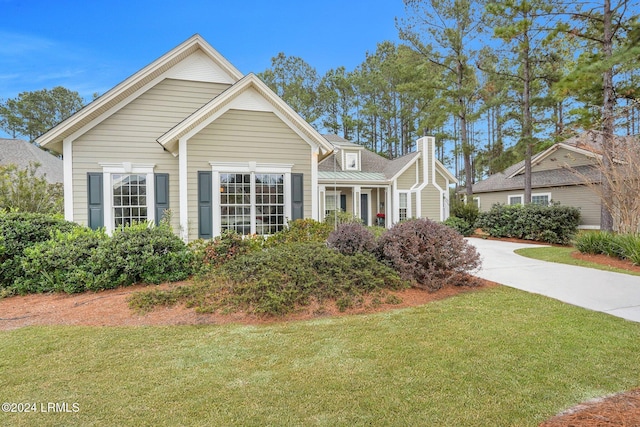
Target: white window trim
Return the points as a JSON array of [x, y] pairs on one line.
[[253, 168], [509, 197], [126, 168], [474, 198], [328, 194], [541, 194], [347, 155], [409, 213]]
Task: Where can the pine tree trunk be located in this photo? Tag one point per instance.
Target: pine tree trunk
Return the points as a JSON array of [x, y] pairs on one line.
[[608, 106]]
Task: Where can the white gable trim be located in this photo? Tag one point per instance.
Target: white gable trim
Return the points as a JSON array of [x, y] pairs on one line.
[[260, 98], [183, 50], [549, 151]]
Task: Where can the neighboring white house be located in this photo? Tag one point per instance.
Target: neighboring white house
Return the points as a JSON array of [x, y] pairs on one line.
[[222, 151]]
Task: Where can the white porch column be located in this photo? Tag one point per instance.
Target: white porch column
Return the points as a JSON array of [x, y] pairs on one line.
[[389, 209], [356, 201], [183, 189]]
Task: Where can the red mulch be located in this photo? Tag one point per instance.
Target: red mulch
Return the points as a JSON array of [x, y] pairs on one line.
[[109, 308]]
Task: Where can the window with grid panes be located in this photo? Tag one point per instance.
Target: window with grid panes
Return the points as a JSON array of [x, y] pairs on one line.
[[129, 198]]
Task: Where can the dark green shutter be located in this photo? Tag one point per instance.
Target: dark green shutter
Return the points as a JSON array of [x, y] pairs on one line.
[[162, 195], [297, 196], [205, 208], [95, 199]]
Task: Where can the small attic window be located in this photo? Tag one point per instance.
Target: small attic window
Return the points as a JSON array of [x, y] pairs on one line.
[[351, 161]]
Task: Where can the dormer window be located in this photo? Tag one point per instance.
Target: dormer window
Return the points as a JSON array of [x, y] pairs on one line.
[[351, 161]]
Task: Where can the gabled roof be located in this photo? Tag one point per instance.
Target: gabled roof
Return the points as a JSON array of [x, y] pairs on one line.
[[588, 144], [53, 138], [267, 101], [372, 166], [22, 153]]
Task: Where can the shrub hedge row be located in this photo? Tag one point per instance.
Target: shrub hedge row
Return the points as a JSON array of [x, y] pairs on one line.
[[551, 224], [63, 256]]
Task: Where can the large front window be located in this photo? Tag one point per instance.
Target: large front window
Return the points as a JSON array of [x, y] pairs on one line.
[[252, 202], [129, 199]]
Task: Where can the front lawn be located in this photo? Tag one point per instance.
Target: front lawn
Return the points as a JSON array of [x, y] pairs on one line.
[[497, 357]]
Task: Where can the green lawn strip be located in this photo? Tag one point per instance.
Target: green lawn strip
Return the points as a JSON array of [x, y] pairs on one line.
[[562, 255], [493, 357]]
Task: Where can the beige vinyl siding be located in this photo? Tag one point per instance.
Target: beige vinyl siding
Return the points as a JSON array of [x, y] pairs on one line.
[[408, 178], [441, 180], [431, 203], [243, 136], [579, 196], [130, 134], [562, 158]]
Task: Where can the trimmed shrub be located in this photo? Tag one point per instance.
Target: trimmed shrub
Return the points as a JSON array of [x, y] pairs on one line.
[[19, 230], [67, 262], [460, 225], [428, 253], [141, 253], [551, 224], [300, 231], [276, 280], [466, 211], [351, 238]]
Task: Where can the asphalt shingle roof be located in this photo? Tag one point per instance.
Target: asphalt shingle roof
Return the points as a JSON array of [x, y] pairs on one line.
[[21, 153], [562, 176], [372, 164]]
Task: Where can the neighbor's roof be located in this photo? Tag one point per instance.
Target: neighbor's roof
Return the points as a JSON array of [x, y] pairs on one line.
[[588, 143], [21, 153]]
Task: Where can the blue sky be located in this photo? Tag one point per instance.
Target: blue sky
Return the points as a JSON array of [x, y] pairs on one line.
[[90, 46]]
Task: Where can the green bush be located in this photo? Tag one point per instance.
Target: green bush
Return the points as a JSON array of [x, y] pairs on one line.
[[19, 230], [143, 253], [23, 190], [229, 244], [300, 231], [428, 253], [67, 262], [551, 224], [466, 211], [341, 217], [460, 225], [277, 280], [351, 238]]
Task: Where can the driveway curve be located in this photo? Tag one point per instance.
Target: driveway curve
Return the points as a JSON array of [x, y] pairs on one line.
[[612, 293]]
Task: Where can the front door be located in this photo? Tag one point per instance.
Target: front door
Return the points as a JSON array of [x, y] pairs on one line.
[[364, 208]]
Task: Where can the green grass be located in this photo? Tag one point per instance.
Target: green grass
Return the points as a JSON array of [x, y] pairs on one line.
[[497, 357], [562, 255]]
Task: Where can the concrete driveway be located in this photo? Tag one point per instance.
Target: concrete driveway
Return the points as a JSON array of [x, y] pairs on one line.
[[613, 293]]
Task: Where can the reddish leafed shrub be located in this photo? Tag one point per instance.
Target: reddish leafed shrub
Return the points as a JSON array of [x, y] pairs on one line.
[[351, 238], [428, 253]]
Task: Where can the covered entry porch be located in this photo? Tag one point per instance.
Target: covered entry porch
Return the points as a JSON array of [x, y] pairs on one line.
[[372, 203]]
